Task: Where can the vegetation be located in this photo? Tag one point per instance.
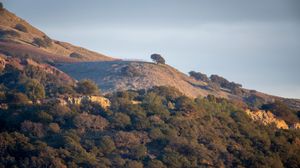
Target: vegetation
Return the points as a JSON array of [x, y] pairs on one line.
[[87, 87], [216, 82], [76, 55], [155, 128], [158, 59], [282, 111], [130, 71], [21, 27], [8, 33], [43, 42], [199, 76], [1, 6]]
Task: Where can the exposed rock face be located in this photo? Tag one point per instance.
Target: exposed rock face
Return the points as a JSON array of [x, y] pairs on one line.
[[296, 126], [102, 101], [267, 118]]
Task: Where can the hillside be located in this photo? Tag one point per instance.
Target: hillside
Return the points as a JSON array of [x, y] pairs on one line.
[[144, 115], [127, 75], [19, 38], [73, 126]]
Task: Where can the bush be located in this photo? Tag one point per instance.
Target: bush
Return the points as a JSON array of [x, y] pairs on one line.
[[45, 42], [130, 71], [120, 120], [76, 55], [88, 87], [21, 27], [17, 98], [8, 33]]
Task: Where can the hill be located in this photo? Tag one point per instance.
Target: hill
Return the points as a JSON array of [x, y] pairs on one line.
[[19, 38]]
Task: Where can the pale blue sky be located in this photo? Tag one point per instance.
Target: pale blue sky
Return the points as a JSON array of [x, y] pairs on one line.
[[255, 43]]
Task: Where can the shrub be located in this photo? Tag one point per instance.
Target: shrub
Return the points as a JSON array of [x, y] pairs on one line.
[[54, 128], [8, 33], [88, 121], [39, 42], [21, 27], [32, 128], [130, 70], [76, 55], [45, 42], [88, 87], [17, 98]]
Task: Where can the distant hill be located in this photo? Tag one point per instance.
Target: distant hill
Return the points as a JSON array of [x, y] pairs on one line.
[[19, 38]]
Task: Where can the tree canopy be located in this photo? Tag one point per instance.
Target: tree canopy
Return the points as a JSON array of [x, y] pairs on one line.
[[158, 59]]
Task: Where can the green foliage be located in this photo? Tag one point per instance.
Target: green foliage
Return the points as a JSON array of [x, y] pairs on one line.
[[157, 128], [120, 120], [87, 87], [33, 89], [21, 27]]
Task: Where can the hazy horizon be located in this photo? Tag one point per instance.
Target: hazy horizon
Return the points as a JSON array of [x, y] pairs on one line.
[[255, 43]]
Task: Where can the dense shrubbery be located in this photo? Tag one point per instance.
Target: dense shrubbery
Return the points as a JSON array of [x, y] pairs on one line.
[[157, 128]]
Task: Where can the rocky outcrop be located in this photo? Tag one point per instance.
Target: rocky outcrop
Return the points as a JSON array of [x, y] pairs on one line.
[[296, 126], [267, 118], [102, 101]]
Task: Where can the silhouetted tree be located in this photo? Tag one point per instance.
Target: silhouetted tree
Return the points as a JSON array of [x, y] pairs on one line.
[[158, 59], [199, 76]]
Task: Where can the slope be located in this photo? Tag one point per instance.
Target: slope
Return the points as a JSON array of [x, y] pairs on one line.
[[19, 38]]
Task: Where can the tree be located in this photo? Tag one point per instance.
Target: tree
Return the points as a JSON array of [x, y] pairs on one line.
[[158, 59], [120, 120], [199, 76], [33, 89], [87, 86], [1, 6]]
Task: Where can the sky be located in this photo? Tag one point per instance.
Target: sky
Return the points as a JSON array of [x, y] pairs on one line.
[[255, 43]]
